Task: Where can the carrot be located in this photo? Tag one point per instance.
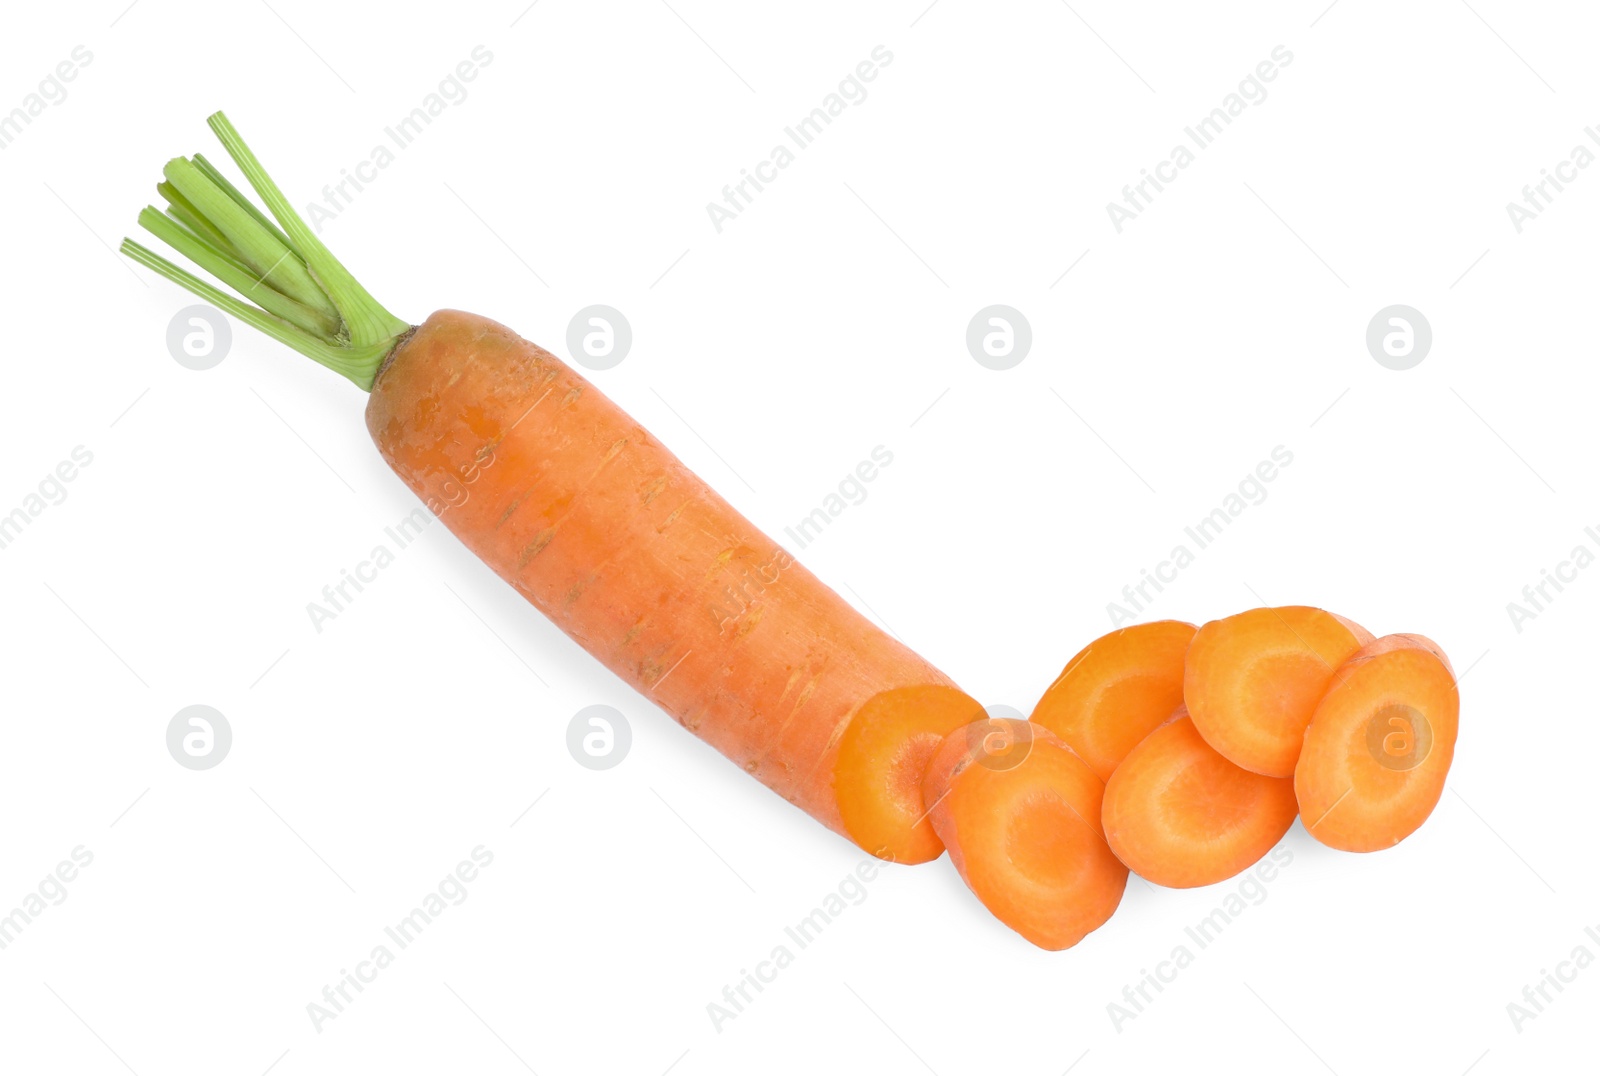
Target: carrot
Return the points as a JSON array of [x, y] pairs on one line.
[[1020, 813], [883, 755], [1181, 815], [1379, 745], [1116, 690], [1251, 681], [594, 521]]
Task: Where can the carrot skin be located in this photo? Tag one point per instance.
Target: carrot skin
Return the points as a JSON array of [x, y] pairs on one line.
[[639, 561]]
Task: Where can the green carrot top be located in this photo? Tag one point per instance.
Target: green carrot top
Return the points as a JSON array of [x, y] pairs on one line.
[[301, 295]]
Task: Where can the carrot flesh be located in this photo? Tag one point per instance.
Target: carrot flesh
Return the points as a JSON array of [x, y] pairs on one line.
[[1022, 825], [883, 755], [645, 566], [1179, 814], [1252, 680], [1380, 745], [1116, 690]]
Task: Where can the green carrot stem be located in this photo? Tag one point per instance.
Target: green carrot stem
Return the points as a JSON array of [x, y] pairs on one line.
[[359, 364], [209, 170], [275, 261], [191, 218], [367, 320], [303, 297], [239, 277]]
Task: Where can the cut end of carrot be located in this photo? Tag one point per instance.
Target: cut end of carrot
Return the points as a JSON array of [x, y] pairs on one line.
[[1379, 745], [1116, 690], [1179, 814], [1020, 813], [883, 754], [1252, 680]]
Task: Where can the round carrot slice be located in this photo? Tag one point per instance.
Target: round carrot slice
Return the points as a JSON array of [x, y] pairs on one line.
[[1181, 815], [884, 752], [1380, 744], [1116, 690], [1020, 814], [1252, 680]]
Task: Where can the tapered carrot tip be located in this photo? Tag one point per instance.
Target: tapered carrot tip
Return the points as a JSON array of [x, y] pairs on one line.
[[1379, 745], [1252, 680], [1117, 690], [1020, 813], [1181, 815], [883, 754]]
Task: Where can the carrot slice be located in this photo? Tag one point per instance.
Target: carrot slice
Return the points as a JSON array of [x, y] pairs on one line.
[[1252, 680], [1020, 813], [1116, 690], [1380, 744], [883, 754], [1181, 815]]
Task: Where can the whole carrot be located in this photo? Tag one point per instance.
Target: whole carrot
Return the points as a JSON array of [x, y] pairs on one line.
[[594, 521], [598, 525]]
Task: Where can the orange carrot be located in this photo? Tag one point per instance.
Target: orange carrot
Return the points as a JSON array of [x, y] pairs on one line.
[[594, 521], [644, 565], [1181, 815], [1116, 690], [1251, 681], [1020, 814], [1379, 745], [883, 755]]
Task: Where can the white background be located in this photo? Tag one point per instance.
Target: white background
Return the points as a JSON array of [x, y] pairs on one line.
[[828, 319]]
